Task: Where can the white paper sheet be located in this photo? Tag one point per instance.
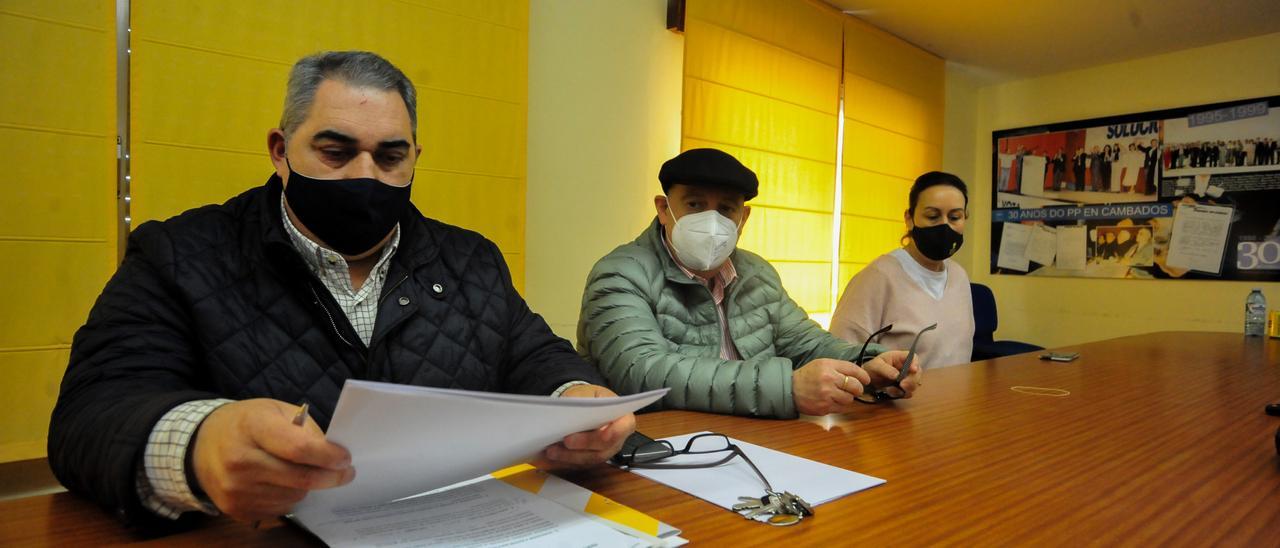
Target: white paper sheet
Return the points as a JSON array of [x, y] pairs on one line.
[[1032, 175], [1043, 244], [1013, 247], [1199, 237], [483, 513], [405, 440], [815, 482], [1071, 247]]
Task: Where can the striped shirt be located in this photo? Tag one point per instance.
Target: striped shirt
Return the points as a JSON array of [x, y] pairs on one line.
[[360, 306], [723, 276]]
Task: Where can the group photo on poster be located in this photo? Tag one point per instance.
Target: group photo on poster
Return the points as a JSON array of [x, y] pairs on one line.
[[1187, 193]]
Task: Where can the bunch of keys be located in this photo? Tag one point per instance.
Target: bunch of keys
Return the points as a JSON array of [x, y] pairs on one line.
[[783, 508]]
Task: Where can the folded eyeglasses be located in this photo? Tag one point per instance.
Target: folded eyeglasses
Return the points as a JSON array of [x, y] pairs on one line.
[[877, 395], [782, 508]]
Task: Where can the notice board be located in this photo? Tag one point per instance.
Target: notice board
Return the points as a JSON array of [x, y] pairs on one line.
[[1186, 193]]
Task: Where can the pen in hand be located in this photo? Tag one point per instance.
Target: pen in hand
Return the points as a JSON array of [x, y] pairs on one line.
[[299, 419]]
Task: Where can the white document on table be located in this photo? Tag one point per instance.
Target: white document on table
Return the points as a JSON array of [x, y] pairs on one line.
[[815, 482], [406, 440], [483, 513], [1199, 237], [1072, 247], [1043, 244], [1013, 247]]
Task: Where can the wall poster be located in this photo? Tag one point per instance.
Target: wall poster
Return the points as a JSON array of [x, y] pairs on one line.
[[1187, 193]]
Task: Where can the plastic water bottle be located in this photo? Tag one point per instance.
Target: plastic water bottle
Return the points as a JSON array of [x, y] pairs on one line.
[[1255, 314]]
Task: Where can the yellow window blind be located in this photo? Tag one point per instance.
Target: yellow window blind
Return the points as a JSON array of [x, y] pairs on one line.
[[58, 233], [208, 82], [894, 96], [762, 82]]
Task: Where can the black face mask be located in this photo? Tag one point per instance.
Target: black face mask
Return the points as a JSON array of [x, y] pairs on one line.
[[937, 242], [349, 215]]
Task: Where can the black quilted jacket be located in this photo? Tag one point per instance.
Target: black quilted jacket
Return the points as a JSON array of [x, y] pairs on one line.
[[216, 303]]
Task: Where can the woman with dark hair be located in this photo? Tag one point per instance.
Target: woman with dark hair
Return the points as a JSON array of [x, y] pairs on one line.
[[917, 284]]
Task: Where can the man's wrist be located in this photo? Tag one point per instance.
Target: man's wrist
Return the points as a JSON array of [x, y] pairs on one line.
[[166, 483]]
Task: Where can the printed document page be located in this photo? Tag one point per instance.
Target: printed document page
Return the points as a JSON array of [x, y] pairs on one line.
[[1199, 237], [483, 513], [1014, 238], [1042, 245], [1072, 246]]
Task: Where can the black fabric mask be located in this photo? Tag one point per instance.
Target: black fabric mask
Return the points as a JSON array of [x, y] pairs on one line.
[[349, 215], [937, 242]]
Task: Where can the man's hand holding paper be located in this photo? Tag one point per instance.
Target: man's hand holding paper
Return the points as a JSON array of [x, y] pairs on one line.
[[254, 463], [593, 446], [407, 440]]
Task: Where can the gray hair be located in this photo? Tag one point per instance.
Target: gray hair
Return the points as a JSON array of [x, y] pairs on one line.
[[357, 68]]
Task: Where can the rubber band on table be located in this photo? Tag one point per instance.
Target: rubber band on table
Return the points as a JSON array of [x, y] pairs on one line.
[[1039, 391]]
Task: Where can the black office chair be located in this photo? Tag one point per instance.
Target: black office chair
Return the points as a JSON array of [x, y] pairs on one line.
[[985, 321]]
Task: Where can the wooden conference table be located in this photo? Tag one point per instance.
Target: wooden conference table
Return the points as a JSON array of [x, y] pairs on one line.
[[1162, 440]]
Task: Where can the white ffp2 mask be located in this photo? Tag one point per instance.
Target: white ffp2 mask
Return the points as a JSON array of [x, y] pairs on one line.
[[703, 240]]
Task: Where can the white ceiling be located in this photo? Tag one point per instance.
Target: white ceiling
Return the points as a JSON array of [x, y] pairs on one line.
[[1018, 39]]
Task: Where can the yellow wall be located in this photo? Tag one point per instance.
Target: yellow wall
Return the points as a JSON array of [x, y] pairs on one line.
[[1061, 311], [57, 233], [604, 113], [208, 81]]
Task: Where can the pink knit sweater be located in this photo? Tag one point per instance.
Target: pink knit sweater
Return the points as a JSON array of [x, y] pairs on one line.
[[883, 294]]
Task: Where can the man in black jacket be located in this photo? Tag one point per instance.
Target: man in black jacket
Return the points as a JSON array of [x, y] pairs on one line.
[[182, 385]]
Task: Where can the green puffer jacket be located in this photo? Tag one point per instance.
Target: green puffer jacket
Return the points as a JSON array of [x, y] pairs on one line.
[[647, 325]]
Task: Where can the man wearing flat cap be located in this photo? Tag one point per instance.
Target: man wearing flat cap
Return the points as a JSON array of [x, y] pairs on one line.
[[682, 308]]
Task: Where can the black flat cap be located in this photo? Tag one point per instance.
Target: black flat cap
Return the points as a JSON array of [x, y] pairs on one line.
[[709, 167]]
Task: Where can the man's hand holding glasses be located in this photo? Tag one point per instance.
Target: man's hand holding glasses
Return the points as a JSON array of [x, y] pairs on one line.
[[903, 374], [826, 386]]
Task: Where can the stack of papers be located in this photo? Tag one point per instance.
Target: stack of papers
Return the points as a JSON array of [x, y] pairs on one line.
[[486, 512], [422, 456], [407, 440]]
